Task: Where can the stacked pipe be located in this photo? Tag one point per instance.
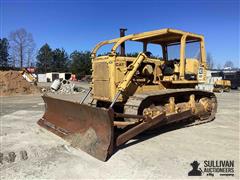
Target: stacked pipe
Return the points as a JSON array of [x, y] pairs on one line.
[[63, 87]]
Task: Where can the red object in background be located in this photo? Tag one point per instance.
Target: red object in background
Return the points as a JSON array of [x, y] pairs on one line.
[[31, 69], [73, 77]]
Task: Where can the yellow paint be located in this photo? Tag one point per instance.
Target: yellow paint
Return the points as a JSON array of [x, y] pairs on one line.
[[113, 73]]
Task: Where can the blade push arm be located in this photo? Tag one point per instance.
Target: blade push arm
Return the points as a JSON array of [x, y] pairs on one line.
[[131, 70]]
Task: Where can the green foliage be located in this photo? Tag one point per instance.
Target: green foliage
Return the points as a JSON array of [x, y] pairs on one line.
[[44, 59], [81, 63], [135, 54], [57, 60], [60, 62], [49, 60], [4, 55]]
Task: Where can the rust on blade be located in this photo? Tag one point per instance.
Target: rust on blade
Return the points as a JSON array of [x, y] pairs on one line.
[[87, 128]]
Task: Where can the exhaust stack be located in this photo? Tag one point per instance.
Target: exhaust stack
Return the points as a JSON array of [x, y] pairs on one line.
[[122, 47]]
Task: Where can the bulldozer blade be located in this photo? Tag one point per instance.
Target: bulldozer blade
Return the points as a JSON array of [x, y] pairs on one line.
[[87, 128]]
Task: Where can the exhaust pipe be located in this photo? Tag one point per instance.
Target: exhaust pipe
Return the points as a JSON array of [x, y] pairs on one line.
[[122, 47]]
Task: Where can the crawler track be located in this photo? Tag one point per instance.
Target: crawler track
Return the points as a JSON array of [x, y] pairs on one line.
[[138, 102]]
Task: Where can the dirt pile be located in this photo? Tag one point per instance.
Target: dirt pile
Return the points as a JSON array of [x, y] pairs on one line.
[[12, 83]]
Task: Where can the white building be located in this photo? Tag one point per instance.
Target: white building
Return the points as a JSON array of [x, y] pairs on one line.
[[50, 77], [64, 76]]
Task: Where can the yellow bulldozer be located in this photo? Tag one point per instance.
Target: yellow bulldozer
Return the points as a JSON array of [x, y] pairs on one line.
[[222, 85], [131, 95]]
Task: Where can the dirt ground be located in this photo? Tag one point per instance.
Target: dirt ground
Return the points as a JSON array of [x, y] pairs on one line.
[[40, 154], [12, 83]]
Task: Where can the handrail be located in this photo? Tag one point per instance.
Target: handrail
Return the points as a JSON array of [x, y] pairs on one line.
[[95, 49]]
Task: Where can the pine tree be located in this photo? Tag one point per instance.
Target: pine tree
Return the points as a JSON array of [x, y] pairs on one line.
[[4, 56], [44, 59], [81, 63], [60, 61]]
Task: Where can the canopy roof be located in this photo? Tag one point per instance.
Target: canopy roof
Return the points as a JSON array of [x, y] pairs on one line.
[[163, 36]]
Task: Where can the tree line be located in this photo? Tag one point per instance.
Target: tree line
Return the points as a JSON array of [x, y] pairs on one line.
[[19, 50], [57, 60]]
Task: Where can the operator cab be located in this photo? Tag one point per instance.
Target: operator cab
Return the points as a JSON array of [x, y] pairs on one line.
[[181, 54]]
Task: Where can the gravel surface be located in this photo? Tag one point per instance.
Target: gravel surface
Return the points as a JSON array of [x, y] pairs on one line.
[[28, 151]]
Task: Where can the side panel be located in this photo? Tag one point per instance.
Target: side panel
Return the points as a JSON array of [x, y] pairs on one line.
[[101, 80], [107, 74]]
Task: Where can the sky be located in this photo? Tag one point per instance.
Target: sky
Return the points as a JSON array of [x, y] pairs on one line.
[[80, 25]]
